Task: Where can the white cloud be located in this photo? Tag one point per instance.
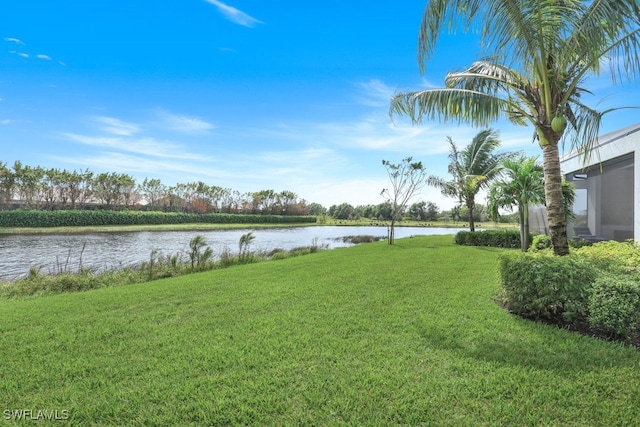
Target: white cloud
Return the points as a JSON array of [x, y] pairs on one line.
[[375, 93], [234, 15], [184, 123], [374, 132], [147, 146], [22, 54], [13, 40], [117, 126], [142, 165], [44, 57]]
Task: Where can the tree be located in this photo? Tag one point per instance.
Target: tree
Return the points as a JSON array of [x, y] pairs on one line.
[[522, 184], [316, 209], [153, 190], [418, 211], [432, 212], [472, 169], [406, 178], [7, 183], [538, 57], [343, 211]]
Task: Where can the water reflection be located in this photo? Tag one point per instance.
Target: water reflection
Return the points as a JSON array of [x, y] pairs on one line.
[[99, 251]]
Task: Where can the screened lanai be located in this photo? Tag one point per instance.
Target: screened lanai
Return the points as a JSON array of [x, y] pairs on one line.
[[607, 186]]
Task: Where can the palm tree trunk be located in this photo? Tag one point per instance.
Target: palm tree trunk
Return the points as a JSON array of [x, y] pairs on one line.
[[470, 206], [553, 196], [525, 227], [521, 221]]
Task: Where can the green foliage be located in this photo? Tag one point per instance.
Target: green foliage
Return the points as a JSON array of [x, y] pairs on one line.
[[472, 169], [243, 245], [611, 256], [199, 253], [75, 218], [599, 283], [540, 242], [543, 286], [614, 305], [343, 211], [493, 238]]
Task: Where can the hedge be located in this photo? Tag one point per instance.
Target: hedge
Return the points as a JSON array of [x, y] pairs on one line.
[[614, 305], [75, 218], [543, 286], [494, 238]]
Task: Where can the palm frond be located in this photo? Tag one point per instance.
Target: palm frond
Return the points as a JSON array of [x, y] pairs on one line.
[[439, 14], [459, 105]]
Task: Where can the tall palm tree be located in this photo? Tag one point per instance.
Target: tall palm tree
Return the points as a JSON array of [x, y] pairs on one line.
[[472, 169], [539, 54], [521, 184]]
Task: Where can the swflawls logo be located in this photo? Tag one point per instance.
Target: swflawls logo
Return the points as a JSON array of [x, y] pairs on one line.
[[30, 414]]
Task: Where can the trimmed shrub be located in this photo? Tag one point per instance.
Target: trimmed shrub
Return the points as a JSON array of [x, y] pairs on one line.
[[542, 286], [540, 242], [611, 256], [614, 305], [494, 238]]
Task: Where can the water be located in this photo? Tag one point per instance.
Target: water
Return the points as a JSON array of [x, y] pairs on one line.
[[56, 252]]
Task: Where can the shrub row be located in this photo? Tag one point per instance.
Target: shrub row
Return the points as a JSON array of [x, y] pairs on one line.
[[495, 238], [71, 218], [509, 239], [595, 287]]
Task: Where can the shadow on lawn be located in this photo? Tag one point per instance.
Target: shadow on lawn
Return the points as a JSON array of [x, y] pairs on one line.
[[531, 345]]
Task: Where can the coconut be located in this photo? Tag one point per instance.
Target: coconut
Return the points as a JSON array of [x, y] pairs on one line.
[[558, 124]]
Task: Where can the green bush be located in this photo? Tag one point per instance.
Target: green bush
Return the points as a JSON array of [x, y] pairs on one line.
[[540, 242], [494, 238], [71, 218], [611, 256], [542, 286], [614, 305]]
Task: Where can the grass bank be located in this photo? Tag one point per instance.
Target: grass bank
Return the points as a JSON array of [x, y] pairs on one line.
[[368, 335]]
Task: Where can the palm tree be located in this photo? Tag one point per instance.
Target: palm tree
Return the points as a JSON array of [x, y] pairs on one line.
[[472, 169], [522, 184], [539, 54]]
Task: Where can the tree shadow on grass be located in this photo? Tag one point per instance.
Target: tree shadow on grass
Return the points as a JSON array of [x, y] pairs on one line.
[[531, 345]]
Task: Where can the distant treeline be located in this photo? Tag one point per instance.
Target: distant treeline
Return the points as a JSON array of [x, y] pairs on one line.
[[66, 218], [28, 187]]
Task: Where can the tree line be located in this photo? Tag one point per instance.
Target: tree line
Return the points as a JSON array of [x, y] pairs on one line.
[[35, 187], [420, 211]]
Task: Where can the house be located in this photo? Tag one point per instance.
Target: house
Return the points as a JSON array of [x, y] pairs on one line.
[[607, 186]]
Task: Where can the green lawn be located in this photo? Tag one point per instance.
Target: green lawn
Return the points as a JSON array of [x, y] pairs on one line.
[[369, 335]]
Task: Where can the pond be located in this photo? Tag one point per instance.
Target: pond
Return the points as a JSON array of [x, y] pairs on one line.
[[100, 251]]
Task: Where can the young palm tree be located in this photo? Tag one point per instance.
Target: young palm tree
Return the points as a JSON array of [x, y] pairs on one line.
[[522, 184], [472, 169], [539, 56]]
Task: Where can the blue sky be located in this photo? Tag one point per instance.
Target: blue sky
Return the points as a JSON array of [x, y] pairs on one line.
[[248, 95]]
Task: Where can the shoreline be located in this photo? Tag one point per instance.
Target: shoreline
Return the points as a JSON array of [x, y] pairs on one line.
[[209, 227]]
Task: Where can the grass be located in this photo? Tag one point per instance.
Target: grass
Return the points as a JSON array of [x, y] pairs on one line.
[[373, 335]]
